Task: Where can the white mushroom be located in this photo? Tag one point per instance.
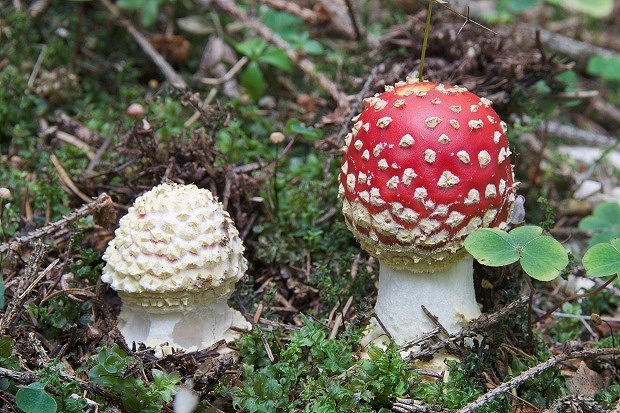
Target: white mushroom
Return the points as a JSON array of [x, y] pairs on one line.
[[174, 262]]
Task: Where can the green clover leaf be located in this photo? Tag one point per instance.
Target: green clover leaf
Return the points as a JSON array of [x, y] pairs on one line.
[[540, 256], [603, 259]]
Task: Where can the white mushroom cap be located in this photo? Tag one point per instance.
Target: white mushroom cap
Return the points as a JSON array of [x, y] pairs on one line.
[[175, 248]]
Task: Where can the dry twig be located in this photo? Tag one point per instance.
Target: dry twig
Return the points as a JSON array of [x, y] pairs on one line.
[[413, 406], [174, 79], [533, 372], [575, 49], [295, 9], [26, 284], [66, 179], [102, 206], [482, 324], [571, 134]]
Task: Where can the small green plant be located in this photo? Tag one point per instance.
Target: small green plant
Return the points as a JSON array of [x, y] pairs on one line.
[[88, 264], [316, 374], [295, 126], [604, 223], [149, 9], [544, 389], [302, 41], [290, 28], [604, 67], [112, 370], [260, 53], [60, 315], [603, 257], [541, 256], [610, 396], [8, 361]]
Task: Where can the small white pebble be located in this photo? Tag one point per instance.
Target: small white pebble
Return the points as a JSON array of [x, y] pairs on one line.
[[5, 193], [185, 401], [135, 109], [276, 137]]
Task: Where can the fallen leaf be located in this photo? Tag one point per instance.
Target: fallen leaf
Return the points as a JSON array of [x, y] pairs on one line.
[[585, 382]]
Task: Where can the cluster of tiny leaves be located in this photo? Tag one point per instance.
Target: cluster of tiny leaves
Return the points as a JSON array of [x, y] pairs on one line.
[[316, 374], [542, 389], [49, 394], [112, 370], [313, 373], [260, 54]]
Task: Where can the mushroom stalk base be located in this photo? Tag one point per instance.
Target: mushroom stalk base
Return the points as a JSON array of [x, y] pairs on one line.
[[447, 293], [184, 329]]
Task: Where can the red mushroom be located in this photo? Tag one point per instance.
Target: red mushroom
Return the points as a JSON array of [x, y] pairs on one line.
[[425, 165]]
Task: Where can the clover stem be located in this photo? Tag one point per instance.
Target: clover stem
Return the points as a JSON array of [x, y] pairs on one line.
[[530, 309], [427, 29]]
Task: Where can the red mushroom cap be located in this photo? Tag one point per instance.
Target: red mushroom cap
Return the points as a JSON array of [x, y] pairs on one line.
[[425, 165]]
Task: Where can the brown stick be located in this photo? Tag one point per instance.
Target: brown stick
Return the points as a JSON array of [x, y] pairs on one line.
[[174, 79], [293, 8], [534, 371], [483, 323], [26, 283], [576, 297], [103, 201]]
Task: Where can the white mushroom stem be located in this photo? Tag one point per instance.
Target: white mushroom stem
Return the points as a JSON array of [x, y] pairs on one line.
[[207, 323], [447, 293]]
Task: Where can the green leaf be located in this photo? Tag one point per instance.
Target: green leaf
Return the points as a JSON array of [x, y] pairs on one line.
[[522, 5], [276, 58], [543, 258], [603, 259], [593, 8], [312, 47], [285, 24], [6, 347], [605, 221], [492, 247], [525, 234], [34, 399], [605, 215], [605, 67], [252, 48], [603, 237], [149, 12], [253, 81], [130, 4], [295, 126], [166, 384]]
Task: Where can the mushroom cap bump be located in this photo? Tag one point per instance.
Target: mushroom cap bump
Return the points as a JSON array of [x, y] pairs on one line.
[[425, 165], [175, 249]]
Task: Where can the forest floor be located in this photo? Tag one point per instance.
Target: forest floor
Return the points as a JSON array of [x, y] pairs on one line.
[[252, 99]]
